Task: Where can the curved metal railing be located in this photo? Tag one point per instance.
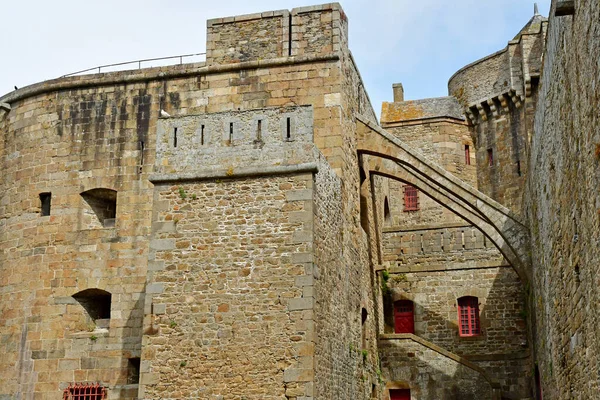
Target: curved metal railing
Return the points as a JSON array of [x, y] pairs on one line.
[[138, 62]]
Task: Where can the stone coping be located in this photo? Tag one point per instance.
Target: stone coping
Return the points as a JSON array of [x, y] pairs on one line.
[[150, 74], [424, 120], [442, 267], [429, 227], [238, 173]]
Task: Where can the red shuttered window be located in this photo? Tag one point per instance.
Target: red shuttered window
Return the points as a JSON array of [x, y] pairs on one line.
[[85, 391], [468, 316], [411, 198], [404, 318]]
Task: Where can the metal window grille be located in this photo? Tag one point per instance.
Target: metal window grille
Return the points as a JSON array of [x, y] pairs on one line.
[[411, 198], [85, 391], [468, 313]]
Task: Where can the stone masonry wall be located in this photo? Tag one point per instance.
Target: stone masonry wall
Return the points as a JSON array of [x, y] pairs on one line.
[[562, 207], [501, 347], [229, 303], [442, 248], [65, 143], [429, 374], [113, 115], [443, 142], [506, 135]]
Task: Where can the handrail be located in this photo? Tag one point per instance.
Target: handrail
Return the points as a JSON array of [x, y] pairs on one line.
[[139, 62]]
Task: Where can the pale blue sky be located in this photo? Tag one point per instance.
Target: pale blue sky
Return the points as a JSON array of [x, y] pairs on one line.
[[419, 43]]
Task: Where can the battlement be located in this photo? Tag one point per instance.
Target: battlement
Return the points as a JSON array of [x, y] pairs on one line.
[[317, 30], [259, 139], [490, 85]]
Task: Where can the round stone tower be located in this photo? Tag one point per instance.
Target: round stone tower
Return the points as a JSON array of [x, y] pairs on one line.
[[498, 94]]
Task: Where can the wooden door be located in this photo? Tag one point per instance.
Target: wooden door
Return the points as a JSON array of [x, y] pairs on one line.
[[404, 318], [399, 394]]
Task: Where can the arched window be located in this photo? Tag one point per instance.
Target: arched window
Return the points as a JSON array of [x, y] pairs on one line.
[[468, 316], [387, 216], [99, 208], [404, 317], [96, 303]]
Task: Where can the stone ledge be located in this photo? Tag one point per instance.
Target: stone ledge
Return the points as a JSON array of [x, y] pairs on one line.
[[429, 227], [240, 173], [158, 73]]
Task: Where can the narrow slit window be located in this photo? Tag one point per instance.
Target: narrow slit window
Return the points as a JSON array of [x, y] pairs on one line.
[[411, 198], [290, 36], [202, 135], [45, 201], [259, 131], [288, 127], [231, 133], [174, 137], [133, 371], [490, 154], [468, 316], [467, 155], [519, 168]]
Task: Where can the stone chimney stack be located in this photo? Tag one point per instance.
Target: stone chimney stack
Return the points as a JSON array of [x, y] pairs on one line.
[[398, 92]]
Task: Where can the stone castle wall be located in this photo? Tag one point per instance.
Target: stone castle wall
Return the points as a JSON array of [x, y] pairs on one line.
[[562, 207], [434, 257], [104, 132], [498, 94]]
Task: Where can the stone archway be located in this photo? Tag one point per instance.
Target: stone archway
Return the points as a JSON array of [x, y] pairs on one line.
[[382, 154]]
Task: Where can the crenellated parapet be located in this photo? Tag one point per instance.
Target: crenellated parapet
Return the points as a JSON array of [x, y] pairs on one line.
[[306, 31]]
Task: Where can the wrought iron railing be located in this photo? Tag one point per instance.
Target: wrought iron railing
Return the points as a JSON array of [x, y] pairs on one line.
[[138, 62]]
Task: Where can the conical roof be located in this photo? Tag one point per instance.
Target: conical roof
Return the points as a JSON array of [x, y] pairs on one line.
[[534, 24]]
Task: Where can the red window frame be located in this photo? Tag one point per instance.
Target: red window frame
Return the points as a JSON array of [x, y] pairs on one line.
[[411, 198], [84, 391], [467, 154], [404, 316], [468, 316]]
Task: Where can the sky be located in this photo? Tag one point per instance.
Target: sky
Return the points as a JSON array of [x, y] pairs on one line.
[[418, 43]]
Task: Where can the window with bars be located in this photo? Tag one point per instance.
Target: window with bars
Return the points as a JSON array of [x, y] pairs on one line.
[[468, 316], [85, 391], [411, 198]]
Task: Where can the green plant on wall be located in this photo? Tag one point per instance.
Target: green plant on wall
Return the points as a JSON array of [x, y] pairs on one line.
[[385, 277], [182, 193]]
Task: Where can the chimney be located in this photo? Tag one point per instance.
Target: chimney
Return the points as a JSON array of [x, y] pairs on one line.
[[398, 92]]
